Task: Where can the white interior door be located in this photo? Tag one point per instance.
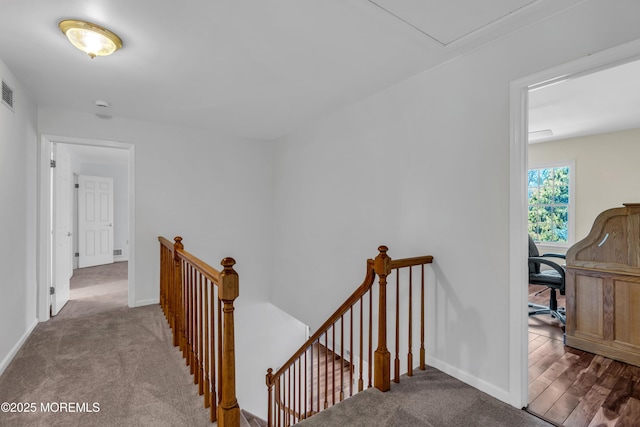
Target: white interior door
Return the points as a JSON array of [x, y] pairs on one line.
[[95, 220], [62, 265]]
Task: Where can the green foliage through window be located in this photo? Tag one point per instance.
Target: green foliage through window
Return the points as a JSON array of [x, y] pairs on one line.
[[548, 190]]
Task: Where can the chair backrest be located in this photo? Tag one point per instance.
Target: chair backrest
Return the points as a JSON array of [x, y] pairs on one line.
[[534, 267]]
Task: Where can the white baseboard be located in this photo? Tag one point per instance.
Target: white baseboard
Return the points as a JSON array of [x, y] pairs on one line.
[[147, 302], [12, 353], [472, 380], [120, 258]]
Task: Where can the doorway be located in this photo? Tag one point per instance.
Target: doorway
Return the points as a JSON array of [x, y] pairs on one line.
[[89, 157], [518, 383]]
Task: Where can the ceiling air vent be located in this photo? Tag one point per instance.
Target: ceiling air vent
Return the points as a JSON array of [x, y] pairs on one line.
[[7, 95]]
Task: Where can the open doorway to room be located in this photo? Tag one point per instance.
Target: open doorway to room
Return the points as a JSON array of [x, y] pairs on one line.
[[584, 115], [585, 132], [86, 201]]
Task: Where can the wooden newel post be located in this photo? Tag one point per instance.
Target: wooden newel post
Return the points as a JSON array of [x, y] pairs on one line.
[[269, 381], [382, 357], [229, 410], [178, 330]]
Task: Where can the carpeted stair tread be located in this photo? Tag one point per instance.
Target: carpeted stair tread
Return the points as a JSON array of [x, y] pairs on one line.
[[251, 420]]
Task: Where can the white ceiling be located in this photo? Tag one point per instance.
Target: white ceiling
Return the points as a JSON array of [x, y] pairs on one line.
[[600, 102], [257, 69]]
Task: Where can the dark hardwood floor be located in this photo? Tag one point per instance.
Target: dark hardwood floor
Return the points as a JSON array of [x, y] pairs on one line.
[[571, 387]]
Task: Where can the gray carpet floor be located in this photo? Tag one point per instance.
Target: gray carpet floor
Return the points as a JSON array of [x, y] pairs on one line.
[[430, 398], [99, 351]]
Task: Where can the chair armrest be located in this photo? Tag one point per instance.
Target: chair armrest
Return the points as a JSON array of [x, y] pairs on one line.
[[554, 265], [554, 255]]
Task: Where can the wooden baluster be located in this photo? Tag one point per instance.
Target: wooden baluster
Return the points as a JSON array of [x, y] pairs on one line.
[[312, 377], [326, 370], [162, 282], [201, 284], [410, 355], [213, 407], [194, 297], [296, 390], [205, 344], [178, 332], [318, 376], [220, 333], [360, 379], [194, 331], [292, 394], [306, 385], [422, 353], [300, 408], [192, 326], [287, 397], [167, 280], [382, 361], [183, 311], [163, 272], [333, 364], [396, 376], [351, 351], [279, 399], [370, 359], [187, 317], [341, 358], [187, 312], [229, 415]]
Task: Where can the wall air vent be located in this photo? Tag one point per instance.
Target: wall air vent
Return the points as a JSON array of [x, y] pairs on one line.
[[117, 252], [7, 95]]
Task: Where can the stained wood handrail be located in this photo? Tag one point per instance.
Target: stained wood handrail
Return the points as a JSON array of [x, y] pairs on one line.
[[198, 302], [354, 298], [292, 396]]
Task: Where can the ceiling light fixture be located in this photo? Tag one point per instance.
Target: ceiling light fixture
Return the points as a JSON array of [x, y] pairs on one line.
[[90, 38]]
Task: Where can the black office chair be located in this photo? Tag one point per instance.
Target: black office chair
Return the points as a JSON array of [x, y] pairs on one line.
[[553, 279]]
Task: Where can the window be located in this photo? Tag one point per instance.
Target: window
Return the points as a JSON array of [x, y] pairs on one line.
[[550, 213]]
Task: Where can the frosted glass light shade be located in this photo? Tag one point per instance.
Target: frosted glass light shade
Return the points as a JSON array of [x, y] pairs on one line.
[[90, 38]]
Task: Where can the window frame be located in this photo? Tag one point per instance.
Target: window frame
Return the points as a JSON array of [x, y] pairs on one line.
[[571, 164]]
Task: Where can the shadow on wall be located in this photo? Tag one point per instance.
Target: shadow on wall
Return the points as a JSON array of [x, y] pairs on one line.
[[458, 320]]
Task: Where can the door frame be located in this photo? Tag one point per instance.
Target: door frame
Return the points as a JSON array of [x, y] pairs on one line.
[[518, 242], [44, 255]]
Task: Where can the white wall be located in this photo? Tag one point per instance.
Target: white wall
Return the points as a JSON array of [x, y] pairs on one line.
[[120, 175], [607, 172], [424, 168], [18, 143], [212, 190]]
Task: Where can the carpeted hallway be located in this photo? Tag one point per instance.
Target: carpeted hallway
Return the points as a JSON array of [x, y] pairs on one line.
[[117, 360]]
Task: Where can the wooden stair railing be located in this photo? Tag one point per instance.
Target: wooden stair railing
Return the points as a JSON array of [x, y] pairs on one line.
[[321, 373], [198, 302]]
